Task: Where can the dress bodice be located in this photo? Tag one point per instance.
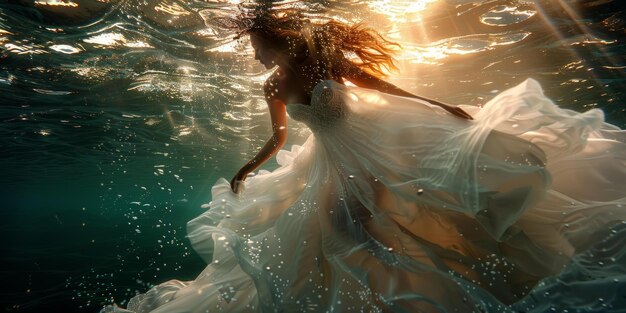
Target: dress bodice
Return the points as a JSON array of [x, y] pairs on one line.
[[326, 110]]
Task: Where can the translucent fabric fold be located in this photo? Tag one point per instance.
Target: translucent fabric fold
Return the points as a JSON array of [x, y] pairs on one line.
[[394, 205]]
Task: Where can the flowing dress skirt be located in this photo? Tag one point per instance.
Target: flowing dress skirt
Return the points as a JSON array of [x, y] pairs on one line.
[[394, 205]]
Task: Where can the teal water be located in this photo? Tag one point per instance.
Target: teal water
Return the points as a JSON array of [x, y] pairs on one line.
[[118, 116]]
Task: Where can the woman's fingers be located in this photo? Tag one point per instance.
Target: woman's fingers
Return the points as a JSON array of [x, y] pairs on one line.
[[460, 113], [235, 184], [465, 114], [455, 110]]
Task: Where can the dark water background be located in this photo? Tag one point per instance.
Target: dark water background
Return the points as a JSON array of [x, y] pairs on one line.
[[117, 116]]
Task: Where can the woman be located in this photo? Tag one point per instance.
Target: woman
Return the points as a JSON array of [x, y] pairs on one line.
[[398, 203], [307, 55]]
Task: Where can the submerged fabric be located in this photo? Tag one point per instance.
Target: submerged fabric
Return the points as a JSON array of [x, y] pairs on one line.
[[394, 205]]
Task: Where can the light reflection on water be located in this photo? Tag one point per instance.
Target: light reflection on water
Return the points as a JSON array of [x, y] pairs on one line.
[[118, 116], [400, 11]]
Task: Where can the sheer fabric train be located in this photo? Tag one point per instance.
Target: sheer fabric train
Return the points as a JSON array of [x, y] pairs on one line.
[[394, 205]]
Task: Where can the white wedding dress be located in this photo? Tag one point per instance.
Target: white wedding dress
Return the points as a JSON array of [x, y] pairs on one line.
[[395, 205]]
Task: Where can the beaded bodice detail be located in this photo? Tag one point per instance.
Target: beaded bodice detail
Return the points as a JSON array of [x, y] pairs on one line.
[[327, 108]]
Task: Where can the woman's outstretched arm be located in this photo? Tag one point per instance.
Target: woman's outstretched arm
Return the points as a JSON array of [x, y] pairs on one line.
[[278, 114], [366, 80]]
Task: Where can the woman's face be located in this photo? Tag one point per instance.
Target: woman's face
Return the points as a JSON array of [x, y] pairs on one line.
[[263, 51]]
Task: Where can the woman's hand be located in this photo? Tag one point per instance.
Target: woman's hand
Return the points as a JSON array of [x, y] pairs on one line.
[[237, 181], [454, 110]]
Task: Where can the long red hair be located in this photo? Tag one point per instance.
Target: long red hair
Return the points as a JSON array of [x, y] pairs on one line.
[[291, 31]]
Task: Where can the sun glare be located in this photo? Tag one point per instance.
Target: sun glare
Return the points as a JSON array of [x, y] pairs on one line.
[[400, 11]]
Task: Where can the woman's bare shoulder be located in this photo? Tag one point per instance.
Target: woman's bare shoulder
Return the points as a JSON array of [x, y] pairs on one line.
[[272, 86], [285, 87]]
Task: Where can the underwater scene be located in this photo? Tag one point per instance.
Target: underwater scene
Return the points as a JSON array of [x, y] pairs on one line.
[[118, 116]]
